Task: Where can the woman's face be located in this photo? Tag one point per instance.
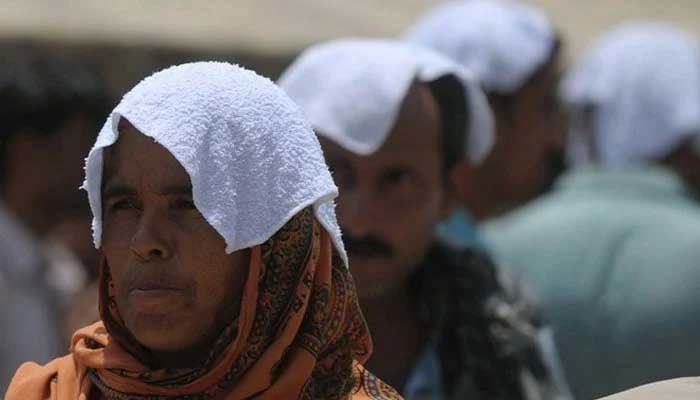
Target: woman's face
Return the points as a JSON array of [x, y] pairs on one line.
[[174, 285]]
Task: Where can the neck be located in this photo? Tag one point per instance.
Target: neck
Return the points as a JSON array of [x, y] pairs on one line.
[[396, 332], [195, 355], [479, 205], [488, 201]]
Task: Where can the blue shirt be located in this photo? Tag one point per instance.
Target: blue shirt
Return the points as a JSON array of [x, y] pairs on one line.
[[425, 381], [614, 256], [459, 230]]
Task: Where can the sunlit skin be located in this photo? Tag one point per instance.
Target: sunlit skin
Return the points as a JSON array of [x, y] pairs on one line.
[[175, 286], [529, 149], [389, 204]]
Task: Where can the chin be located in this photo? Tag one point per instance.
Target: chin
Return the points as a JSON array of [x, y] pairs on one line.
[[163, 335], [164, 341]]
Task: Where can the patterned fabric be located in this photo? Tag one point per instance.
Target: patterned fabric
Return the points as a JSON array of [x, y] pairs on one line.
[[486, 328], [300, 335]]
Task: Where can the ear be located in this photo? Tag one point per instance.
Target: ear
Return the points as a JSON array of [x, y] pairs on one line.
[[456, 184]]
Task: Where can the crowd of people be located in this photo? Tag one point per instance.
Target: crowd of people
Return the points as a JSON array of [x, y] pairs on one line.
[[452, 213]]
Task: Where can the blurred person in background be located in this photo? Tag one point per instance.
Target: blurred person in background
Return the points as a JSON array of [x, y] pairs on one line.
[[400, 125], [515, 53], [222, 271], [49, 110], [613, 250]]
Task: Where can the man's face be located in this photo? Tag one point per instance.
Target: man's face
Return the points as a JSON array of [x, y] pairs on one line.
[[529, 150], [174, 285], [390, 201]]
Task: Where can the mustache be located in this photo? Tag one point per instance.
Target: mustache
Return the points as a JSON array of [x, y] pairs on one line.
[[369, 246]]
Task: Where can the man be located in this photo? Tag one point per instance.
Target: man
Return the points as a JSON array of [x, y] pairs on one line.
[[515, 54], [222, 271], [48, 113], [394, 121], [613, 250]]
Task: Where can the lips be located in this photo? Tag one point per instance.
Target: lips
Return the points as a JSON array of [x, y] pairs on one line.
[[149, 285], [157, 295]]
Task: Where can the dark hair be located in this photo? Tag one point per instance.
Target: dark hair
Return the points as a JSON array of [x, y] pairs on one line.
[[450, 95], [41, 93]]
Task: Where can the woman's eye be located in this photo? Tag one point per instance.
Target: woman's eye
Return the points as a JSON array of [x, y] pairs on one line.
[[185, 204], [397, 177]]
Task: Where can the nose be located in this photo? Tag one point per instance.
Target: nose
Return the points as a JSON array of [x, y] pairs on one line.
[[355, 213], [150, 242]]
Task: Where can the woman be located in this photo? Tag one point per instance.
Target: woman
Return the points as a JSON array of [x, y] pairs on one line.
[[223, 275]]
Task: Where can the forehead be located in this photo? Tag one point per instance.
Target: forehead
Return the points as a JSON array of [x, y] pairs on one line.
[[137, 158], [416, 134]]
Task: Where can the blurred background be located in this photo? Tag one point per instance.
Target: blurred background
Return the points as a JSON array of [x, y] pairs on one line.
[[121, 42], [129, 39]]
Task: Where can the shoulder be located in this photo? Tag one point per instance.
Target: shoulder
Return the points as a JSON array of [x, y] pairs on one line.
[[670, 240], [475, 270], [486, 298], [676, 389], [493, 325], [545, 211], [33, 381]]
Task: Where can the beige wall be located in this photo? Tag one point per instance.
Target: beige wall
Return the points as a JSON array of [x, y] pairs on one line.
[[581, 21], [273, 27]]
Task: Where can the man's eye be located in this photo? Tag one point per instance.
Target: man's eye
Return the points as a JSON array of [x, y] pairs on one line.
[[398, 176], [124, 204]]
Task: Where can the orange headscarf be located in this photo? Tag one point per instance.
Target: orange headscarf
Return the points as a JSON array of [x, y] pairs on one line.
[[299, 335]]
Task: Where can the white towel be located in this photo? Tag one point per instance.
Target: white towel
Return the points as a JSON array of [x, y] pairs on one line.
[[351, 91], [635, 95], [253, 160], [503, 41]]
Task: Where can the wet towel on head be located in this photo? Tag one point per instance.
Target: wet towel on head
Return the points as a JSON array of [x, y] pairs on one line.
[[635, 95], [259, 178], [351, 91], [503, 42], [253, 160]]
